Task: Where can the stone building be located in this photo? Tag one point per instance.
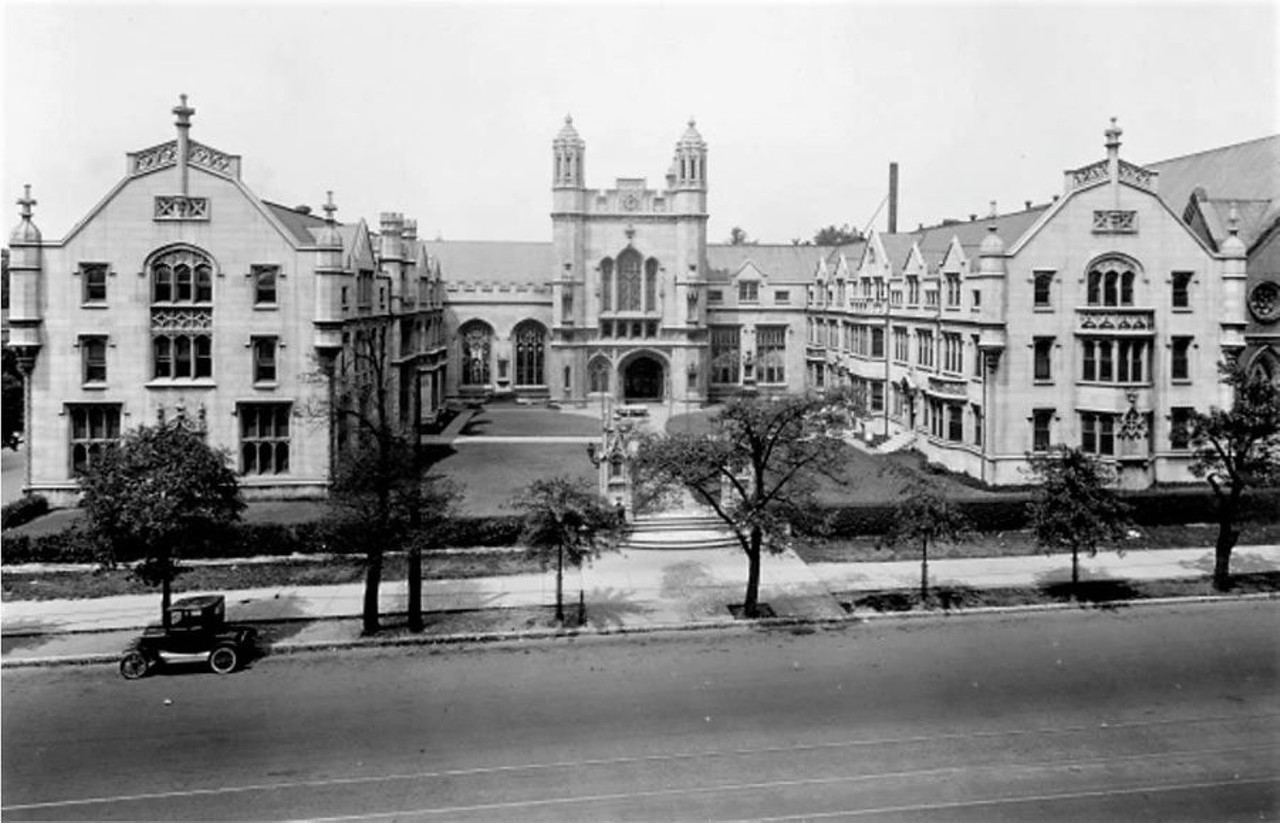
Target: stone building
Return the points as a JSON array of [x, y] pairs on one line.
[[1097, 321], [184, 294], [628, 302]]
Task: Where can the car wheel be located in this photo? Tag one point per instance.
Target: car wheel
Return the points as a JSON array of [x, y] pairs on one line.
[[134, 665], [223, 659]]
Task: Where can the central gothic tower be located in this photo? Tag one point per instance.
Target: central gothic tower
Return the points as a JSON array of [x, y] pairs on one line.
[[628, 296]]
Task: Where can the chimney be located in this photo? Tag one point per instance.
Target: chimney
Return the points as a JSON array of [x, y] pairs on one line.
[[1028, 202], [893, 198]]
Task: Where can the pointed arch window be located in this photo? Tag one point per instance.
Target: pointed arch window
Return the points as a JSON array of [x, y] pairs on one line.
[[531, 341], [477, 344], [629, 285], [651, 285], [598, 375], [1111, 282]]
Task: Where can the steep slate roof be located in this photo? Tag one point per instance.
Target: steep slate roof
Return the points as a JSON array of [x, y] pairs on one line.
[[897, 247], [1243, 171], [935, 240], [776, 262], [493, 261], [296, 222]]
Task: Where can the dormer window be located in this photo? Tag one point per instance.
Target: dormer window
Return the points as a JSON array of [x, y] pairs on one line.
[[749, 291]]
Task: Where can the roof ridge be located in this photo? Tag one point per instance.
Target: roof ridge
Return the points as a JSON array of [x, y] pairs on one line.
[[1212, 150]]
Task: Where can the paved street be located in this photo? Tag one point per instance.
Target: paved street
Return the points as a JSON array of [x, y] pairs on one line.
[[1166, 713]]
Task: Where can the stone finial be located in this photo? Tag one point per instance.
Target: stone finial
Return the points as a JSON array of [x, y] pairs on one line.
[[1233, 219], [184, 112], [26, 201], [329, 206], [1113, 136]]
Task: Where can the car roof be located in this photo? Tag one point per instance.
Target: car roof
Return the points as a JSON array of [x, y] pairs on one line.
[[203, 601]]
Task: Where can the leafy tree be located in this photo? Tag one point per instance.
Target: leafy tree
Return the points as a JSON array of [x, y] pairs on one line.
[[156, 494], [382, 493], [927, 516], [757, 468], [566, 521], [833, 236], [1073, 508], [1237, 449], [738, 237]]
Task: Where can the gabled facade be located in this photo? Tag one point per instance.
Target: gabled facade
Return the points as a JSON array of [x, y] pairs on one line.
[[184, 294], [1097, 322]]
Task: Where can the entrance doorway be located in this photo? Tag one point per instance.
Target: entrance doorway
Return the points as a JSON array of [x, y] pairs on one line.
[[642, 380]]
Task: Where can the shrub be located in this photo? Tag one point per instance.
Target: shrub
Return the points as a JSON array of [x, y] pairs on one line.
[[23, 510], [69, 546]]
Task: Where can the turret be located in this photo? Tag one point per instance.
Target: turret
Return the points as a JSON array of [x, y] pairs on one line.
[[991, 280], [1232, 306], [327, 336], [690, 167], [25, 271], [568, 181]]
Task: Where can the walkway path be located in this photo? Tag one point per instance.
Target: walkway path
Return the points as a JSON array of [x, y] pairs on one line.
[[635, 590]]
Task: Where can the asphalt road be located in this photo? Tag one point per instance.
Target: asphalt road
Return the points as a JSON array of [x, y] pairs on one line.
[[1141, 714]]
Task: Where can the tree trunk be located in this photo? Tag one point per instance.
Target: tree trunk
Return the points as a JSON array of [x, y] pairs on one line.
[[751, 605], [924, 571], [560, 585], [1227, 537], [1075, 573], [166, 590], [415, 587], [373, 579]]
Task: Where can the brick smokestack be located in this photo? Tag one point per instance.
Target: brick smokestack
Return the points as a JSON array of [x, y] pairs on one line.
[[893, 198]]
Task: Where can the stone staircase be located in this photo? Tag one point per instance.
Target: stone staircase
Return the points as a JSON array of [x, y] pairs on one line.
[[679, 530]]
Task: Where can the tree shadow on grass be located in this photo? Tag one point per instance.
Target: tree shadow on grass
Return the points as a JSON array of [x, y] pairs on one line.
[[1097, 592]]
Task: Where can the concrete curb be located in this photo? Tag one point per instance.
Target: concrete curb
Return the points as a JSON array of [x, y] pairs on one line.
[[709, 625]]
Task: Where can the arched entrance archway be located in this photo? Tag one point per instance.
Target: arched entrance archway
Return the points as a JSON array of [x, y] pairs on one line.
[[642, 379]]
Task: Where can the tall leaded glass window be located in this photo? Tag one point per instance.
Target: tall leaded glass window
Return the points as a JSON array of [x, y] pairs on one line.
[[477, 344], [264, 438], [181, 315], [726, 354], [606, 284], [94, 427], [771, 345], [629, 281], [651, 285], [530, 350]]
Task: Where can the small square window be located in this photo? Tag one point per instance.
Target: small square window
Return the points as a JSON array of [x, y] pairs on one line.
[[264, 359], [93, 282], [781, 298], [264, 285], [748, 292], [93, 355], [1043, 289]]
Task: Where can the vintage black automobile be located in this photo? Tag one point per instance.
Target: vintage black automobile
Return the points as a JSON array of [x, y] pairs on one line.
[[197, 632]]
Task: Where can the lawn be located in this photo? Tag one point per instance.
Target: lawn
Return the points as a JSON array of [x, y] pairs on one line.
[[492, 474], [529, 421]]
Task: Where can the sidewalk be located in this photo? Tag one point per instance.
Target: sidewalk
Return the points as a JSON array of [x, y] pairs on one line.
[[636, 589]]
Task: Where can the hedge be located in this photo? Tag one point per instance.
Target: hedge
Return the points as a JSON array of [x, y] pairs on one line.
[[23, 510], [269, 539], [1161, 507]]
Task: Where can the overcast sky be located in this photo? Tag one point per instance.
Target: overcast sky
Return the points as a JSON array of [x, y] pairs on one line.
[[447, 112]]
